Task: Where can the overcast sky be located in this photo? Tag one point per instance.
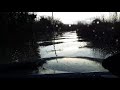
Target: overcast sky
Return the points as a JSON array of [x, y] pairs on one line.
[[73, 17]]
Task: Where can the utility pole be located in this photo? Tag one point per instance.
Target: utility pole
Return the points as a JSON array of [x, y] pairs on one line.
[[54, 37], [114, 17]]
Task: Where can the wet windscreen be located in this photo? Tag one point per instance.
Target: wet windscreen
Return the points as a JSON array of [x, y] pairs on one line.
[[58, 42]]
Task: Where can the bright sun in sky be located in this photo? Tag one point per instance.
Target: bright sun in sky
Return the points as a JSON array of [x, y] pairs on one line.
[[73, 17]]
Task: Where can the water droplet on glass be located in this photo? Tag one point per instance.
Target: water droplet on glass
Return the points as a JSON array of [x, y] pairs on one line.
[[56, 25], [93, 30], [112, 27], [69, 25], [98, 22]]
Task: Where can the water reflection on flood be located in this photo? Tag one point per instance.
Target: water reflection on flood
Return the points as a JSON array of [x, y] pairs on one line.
[[74, 65], [71, 47]]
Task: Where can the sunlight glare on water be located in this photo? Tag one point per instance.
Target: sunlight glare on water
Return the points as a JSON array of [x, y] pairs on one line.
[[73, 65]]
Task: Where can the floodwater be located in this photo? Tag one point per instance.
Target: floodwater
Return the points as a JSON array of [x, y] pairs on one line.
[[70, 54]]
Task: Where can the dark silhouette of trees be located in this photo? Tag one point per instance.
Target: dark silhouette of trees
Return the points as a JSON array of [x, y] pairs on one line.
[[16, 30], [46, 28], [102, 34], [19, 30], [16, 27]]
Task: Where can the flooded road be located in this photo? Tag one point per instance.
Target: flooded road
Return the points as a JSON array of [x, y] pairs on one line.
[[70, 46], [70, 54]]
